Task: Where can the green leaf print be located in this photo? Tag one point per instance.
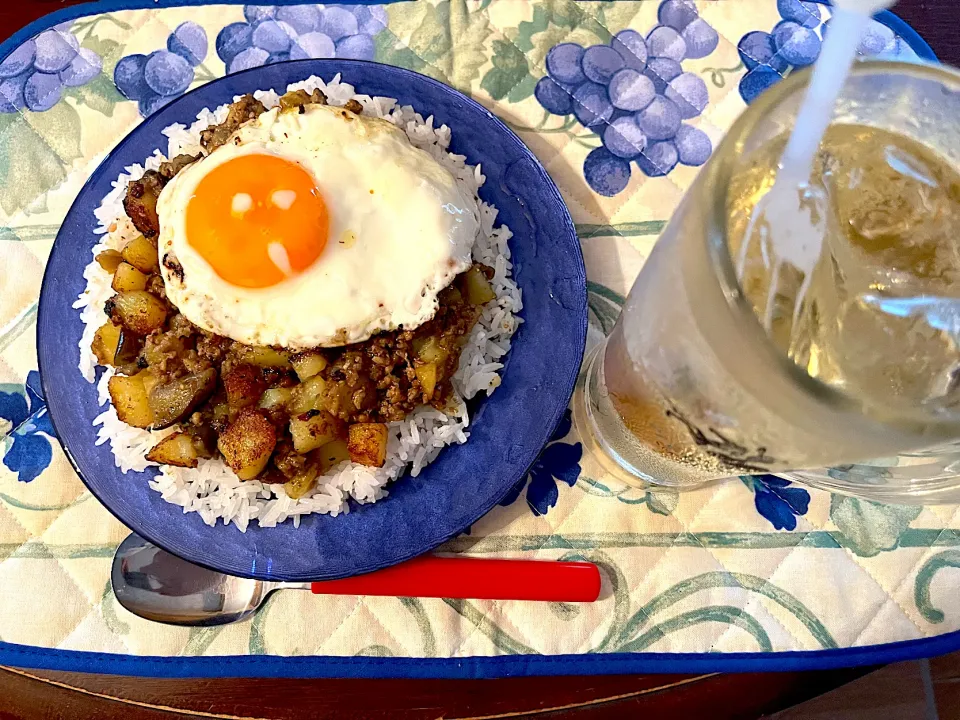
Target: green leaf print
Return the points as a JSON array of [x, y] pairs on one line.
[[557, 21], [869, 528], [429, 49], [615, 16], [60, 127], [109, 50], [518, 60], [36, 149], [391, 51], [99, 94], [522, 90], [508, 73]]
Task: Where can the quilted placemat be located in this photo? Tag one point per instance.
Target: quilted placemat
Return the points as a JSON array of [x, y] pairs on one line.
[[746, 572]]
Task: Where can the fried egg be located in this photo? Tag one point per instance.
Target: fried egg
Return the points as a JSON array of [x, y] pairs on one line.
[[313, 229]]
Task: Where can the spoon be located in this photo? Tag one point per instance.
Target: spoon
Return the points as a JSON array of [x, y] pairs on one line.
[[158, 586]]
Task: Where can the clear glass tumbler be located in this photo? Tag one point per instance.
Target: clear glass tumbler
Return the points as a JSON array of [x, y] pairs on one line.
[[690, 387]]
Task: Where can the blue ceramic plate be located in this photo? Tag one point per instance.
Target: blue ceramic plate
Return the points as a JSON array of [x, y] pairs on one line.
[[507, 430]]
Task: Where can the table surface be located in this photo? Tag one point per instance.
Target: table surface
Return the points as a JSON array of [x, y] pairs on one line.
[[30, 695]]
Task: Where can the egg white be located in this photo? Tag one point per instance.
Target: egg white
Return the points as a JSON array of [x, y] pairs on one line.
[[389, 252]]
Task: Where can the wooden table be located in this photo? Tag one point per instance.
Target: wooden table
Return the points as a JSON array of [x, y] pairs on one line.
[[31, 695]]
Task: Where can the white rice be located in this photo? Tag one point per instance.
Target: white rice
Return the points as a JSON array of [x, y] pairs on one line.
[[212, 489]]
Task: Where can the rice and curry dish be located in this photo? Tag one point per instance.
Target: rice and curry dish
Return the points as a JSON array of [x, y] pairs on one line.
[[293, 309]]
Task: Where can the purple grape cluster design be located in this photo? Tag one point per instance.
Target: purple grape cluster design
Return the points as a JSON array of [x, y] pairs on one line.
[[274, 33], [795, 42], [154, 80], [35, 75], [635, 95], [268, 34]]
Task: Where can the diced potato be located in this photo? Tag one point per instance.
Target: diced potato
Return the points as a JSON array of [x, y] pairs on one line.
[[337, 398], [451, 295], [301, 483], [308, 364], [176, 449], [244, 385], [127, 278], [130, 400], [247, 444], [429, 350], [313, 429], [105, 342], [221, 415], [265, 357], [427, 375], [332, 454], [478, 287], [150, 381], [173, 401], [138, 311], [306, 396], [204, 439], [275, 398], [109, 260], [142, 254], [367, 444], [128, 348]]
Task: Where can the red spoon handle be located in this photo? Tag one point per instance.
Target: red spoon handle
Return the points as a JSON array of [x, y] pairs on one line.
[[476, 579]]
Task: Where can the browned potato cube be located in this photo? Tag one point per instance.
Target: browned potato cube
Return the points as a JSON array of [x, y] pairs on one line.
[[142, 254], [301, 483], [306, 396], [265, 357], [129, 397], [150, 381], [275, 398], [427, 375], [105, 342], [332, 454], [244, 385], [247, 444], [176, 449], [138, 311], [127, 278], [308, 364], [336, 398], [109, 260], [367, 443], [478, 287], [312, 430], [429, 350], [173, 401]]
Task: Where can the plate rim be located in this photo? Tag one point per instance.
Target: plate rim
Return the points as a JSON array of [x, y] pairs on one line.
[[46, 315]]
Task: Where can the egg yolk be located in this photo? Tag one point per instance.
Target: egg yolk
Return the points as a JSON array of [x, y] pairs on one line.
[[258, 220]]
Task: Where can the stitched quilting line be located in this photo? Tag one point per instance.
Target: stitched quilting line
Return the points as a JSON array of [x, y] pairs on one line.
[[763, 600], [910, 575], [79, 590], [366, 605], [710, 552]]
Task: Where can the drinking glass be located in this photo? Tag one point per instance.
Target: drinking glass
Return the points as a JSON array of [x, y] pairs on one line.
[[689, 387]]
